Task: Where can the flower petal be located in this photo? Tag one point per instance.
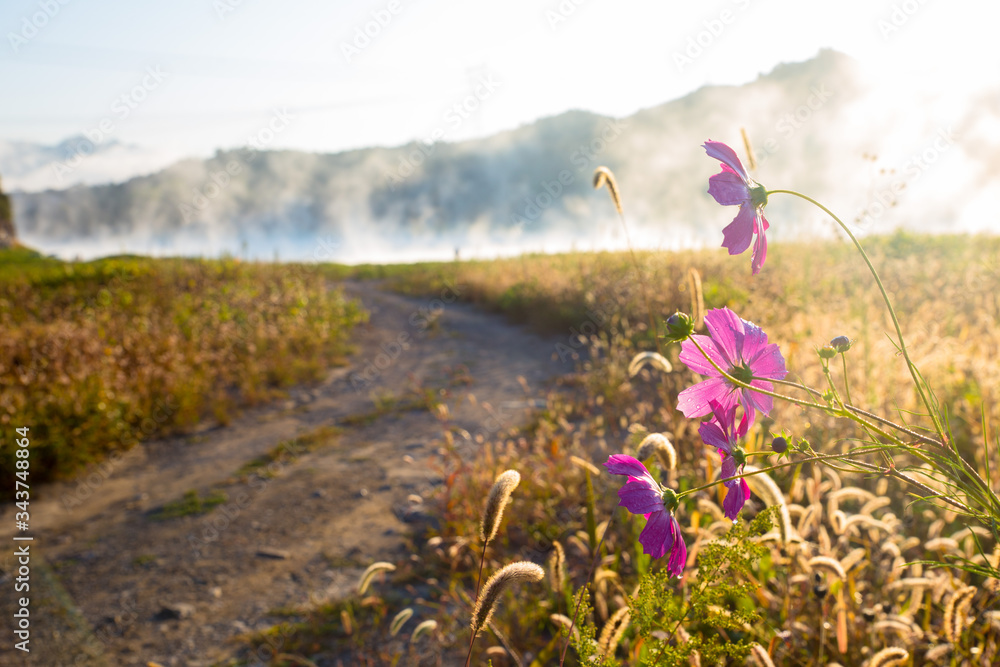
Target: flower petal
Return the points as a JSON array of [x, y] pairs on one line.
[[726, 330], [713, 435], [754, 342], [727, 155], [622, 464], [696, 361], [678, 556], [728, 187], [638, 498], [657, 537], [693, 401], [736, 236], [759, 247], [768, 363], [736, 497]]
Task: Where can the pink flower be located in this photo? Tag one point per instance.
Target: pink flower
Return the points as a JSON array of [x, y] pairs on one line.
[[721, 432], [734, 186], [741, 349], [643, 495]]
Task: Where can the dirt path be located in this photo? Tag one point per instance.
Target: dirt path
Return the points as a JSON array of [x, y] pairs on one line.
[[112, 585]]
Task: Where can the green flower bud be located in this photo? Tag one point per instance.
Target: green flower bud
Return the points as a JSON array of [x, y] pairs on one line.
[[827, 352], [679, 327]]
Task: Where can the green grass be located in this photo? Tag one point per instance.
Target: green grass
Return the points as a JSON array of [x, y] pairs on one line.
[[288, 450], [191, 504]]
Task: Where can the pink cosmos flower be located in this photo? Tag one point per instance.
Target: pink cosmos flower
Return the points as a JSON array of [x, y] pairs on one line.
[[734, 186], [643, 495], [741, 349], [721, 432]]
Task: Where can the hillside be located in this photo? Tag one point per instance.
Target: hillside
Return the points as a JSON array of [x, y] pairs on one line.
[[530, 187]]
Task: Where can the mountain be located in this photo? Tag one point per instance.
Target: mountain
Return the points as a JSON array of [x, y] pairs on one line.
[[27, 166], [816, 126]]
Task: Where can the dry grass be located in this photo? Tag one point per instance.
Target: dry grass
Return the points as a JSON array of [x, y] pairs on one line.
[[97, 356]]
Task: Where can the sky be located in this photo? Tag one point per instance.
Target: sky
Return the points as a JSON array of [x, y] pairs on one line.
[[190, 76]]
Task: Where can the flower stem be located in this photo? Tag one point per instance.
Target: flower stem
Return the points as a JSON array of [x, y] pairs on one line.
[[914, 373]]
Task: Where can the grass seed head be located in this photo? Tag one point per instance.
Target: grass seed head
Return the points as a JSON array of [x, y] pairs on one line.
[[501, 579], [495, 502], [369, 574], [890, 657]]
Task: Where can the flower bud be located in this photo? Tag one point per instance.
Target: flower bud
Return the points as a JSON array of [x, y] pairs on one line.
[[827, 352], [679, 327], [779, 445], [841, 343]]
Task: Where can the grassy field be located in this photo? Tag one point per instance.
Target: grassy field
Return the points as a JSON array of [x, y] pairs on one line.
[[867, 592], [97, 356]]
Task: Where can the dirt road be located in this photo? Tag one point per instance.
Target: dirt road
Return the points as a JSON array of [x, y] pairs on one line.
[[113, 584]]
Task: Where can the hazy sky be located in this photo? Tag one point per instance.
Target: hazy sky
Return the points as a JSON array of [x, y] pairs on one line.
[[191, 75]]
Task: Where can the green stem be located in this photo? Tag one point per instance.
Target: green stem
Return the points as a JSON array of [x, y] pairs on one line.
[[847, 382], [778, 466], [888, 303]]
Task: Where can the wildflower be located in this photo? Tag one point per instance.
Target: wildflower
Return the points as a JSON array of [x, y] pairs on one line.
[[643, 495], [741, 349], [722, 433], [734, 186]]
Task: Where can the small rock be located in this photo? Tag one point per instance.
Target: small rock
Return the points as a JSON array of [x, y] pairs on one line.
[[278, 554], [319, 493], [175, 611], [363, 492], [216, 592]]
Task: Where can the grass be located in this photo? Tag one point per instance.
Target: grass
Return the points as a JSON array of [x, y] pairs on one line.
[[191, 504], [97, 356], [287, 451], [945, 291]]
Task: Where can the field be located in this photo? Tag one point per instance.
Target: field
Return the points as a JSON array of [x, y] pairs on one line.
[[846, 566], [874, 594], [101, 355]]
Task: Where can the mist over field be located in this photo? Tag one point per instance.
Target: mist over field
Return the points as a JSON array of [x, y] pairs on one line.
[[879, 152]]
